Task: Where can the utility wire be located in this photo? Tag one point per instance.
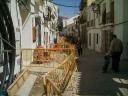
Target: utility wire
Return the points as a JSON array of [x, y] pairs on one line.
[[22, 3], [62, 4], [65, 5]]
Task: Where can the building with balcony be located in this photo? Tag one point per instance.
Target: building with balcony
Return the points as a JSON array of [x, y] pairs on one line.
[[40, 24], [70, 26], [102, 19]]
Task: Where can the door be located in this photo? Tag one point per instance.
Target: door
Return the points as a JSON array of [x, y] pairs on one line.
[[94, 42]]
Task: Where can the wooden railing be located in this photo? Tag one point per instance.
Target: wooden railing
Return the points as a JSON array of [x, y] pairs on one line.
[[56, 81], [43, 55], [15, 86]]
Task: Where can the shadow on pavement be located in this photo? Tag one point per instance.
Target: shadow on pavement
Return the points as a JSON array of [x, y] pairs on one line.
[[93, 82]]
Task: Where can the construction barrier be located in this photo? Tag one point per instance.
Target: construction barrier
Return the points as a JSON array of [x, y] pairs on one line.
[[55, 66], [56, 81]]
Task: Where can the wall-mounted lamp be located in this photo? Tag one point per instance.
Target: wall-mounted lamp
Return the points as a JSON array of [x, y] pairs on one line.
[[95, 8]]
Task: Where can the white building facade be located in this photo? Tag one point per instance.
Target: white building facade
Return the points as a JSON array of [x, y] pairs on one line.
[[104, 18], [100, 25], [70, 25], [39, 28]]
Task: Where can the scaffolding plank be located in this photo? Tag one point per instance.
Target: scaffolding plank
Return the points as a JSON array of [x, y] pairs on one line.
[[27, 86]]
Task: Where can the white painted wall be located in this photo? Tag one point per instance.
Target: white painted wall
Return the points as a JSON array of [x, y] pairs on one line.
[[121, 30], [27, 27], [26, 35], [15, 14], [118, 29], [64, 22], [27, 41], [94, 31], [67, 24], [51, 31], [25, 32], [17, 23], [70, 20], [125, 33], [97, 29], [94, 45]]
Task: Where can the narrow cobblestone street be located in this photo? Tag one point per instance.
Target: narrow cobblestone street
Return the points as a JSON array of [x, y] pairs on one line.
[[95, 83]]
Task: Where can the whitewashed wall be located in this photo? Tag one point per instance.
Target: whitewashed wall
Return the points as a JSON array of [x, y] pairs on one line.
[[121, 30], [51, 31], [94, 30], [71, 20], [97, 29], [27, 41], [17, 23], [26, 35], [27, 26]]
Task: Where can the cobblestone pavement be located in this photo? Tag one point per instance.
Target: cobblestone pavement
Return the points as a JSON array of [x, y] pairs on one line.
[[95, 83]]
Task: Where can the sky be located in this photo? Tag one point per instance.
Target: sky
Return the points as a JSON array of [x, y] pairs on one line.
[[68, 11]]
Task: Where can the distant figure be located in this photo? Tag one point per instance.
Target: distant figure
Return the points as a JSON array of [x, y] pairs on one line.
[[79, 47], [72, 39], [115, 50], [55, 40]]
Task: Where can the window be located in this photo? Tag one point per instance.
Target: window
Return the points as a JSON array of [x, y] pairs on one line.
[[104, 17], [97, 39], [112, 11], [104, 14], [90, 39]]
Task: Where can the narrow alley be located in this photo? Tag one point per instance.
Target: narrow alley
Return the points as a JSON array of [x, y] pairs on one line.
[[95, 83], [60, 47]]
